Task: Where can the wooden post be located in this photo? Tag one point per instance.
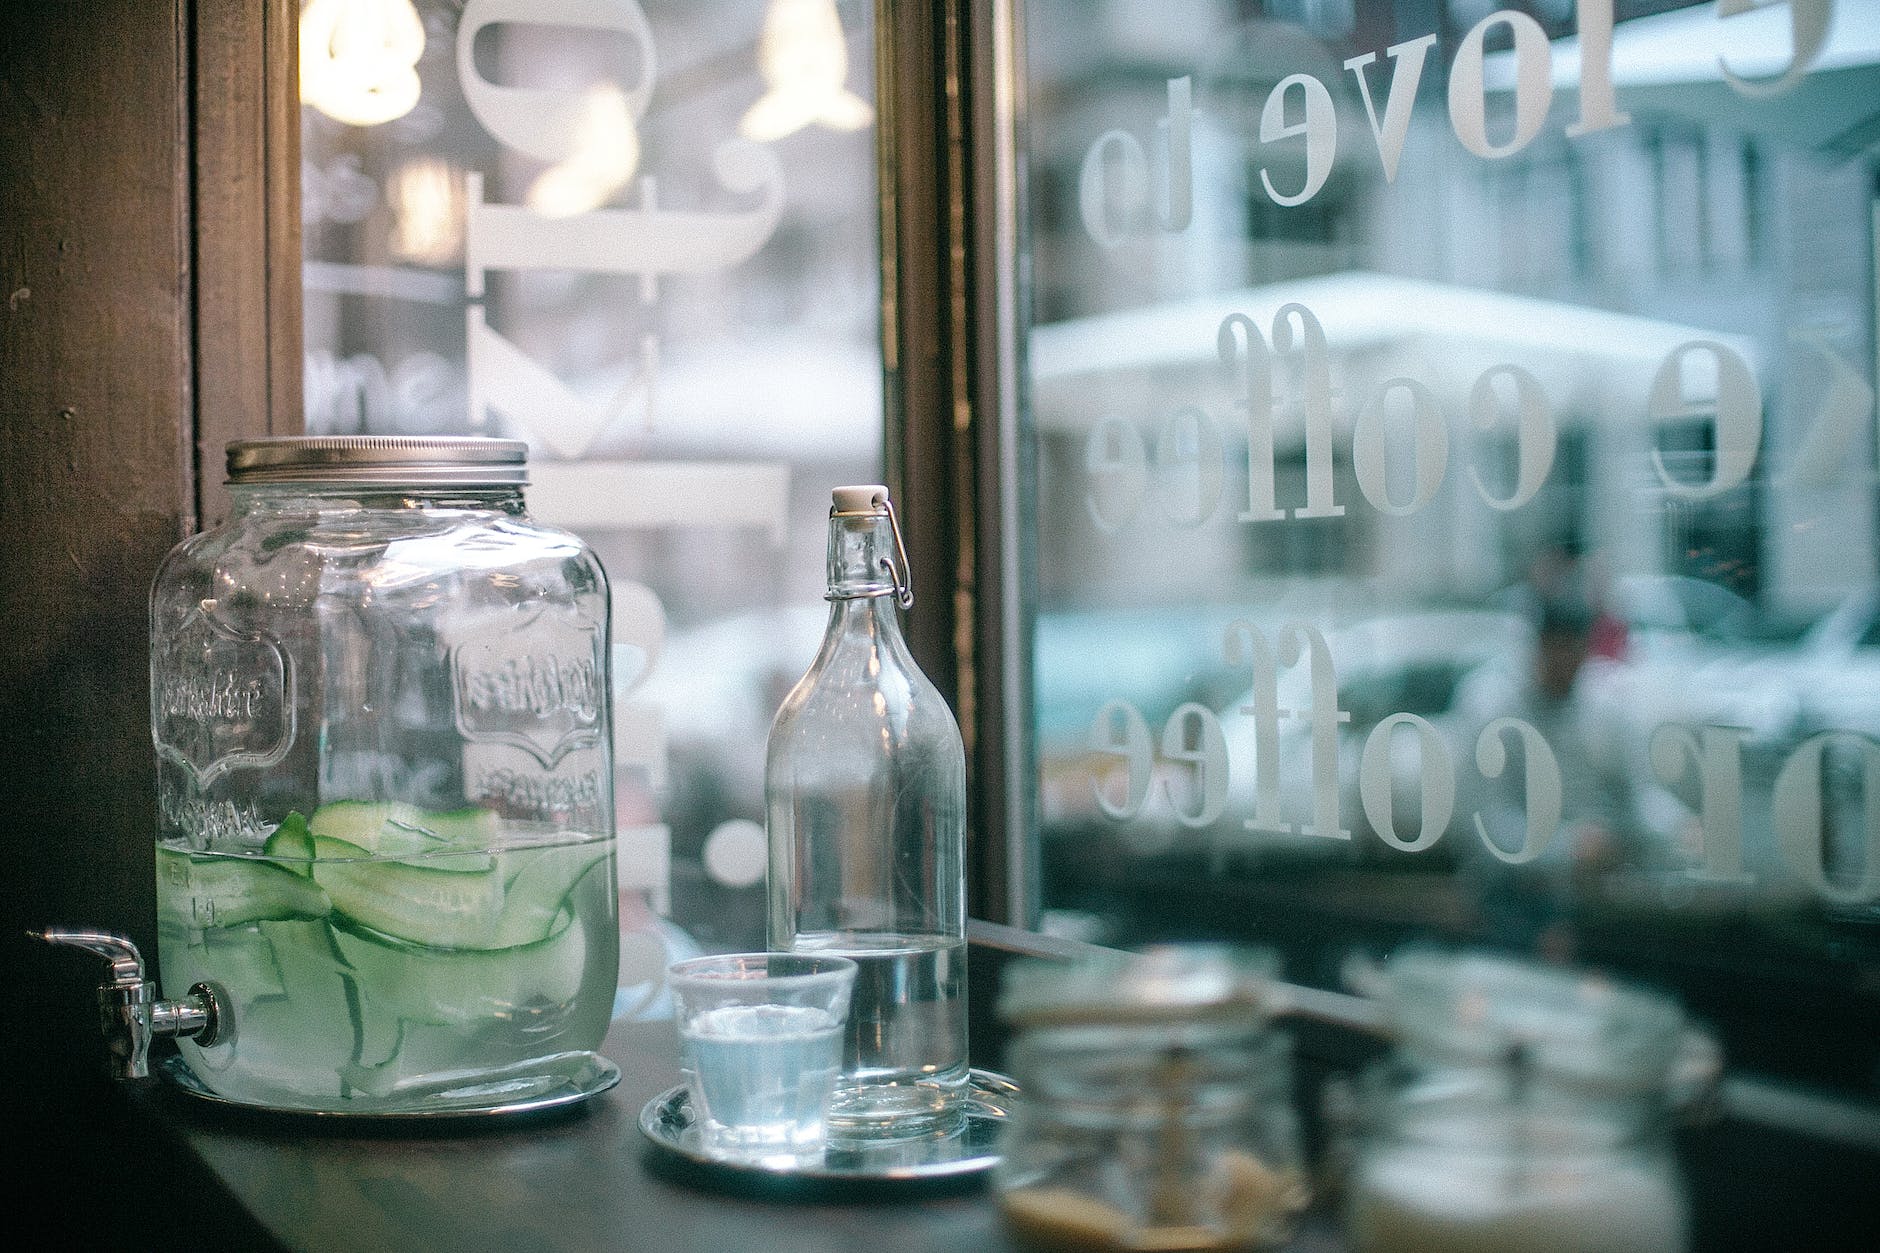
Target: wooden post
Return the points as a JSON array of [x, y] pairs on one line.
[[150, 289]]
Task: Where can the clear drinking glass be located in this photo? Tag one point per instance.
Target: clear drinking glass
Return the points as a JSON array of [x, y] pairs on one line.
[[760, 1044], [865, 792], [380, 706]]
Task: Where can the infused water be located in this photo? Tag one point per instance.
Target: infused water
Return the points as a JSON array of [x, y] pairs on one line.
[[431, 971]]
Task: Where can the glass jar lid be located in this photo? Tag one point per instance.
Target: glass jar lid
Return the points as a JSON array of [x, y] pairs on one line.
[[1157, 985], [1575, 1028], [387, 460]]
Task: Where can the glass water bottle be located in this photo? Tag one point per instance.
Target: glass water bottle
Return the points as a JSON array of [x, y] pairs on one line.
[[865, 791]]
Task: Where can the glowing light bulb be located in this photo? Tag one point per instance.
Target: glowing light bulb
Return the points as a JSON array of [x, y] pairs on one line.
[[426, 196], [804, 61], [359, 58], [606, 152]]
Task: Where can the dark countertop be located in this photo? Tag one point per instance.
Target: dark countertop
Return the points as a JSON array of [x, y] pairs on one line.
[[586, 1180]]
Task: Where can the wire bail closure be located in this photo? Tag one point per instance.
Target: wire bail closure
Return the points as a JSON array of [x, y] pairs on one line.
[[896, 567]]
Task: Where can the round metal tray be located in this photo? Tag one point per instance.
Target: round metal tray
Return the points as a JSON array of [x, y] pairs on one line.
[[968, 1150], [576, 1077]]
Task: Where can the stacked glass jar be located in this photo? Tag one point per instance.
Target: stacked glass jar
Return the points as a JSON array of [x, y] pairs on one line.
[[1526, 1109], [1157, 1105]]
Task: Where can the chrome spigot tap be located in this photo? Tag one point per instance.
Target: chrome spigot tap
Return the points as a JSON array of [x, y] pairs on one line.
[[128, 1008]]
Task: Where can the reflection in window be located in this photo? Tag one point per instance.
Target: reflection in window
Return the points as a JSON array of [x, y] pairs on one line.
[[640, 235], [1479, 479]]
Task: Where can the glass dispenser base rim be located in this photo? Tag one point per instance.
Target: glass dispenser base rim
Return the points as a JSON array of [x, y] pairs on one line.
[[580, 1077]]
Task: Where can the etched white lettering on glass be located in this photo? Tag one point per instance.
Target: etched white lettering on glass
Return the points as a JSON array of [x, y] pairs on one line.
[[1599, 110], [1406, 73], [1543, 788], [1252, 368], [1192, 738], [1115, 183], [646, 241], [1735, 409], [1435, 775], [506, 380], [1324, 716], [1175, 154], [1117, 464], [1119, 732], [1188, 455], [1715, 755], [1316, 398], [1702, 380], [1809, 21], [358, 394], [1187, 768], [546, 122], [1642, 356], [557, 125], [1429, 446], [1801, 818], [1537, 437], [1263, 709], [1318, 126], [1533, 93]]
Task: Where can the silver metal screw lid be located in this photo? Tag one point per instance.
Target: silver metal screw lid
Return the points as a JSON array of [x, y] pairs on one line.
[[384, 460]]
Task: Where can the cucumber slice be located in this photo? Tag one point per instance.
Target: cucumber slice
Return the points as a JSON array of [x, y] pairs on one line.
[[395, 829], [376, 826], [538, 883], [291, 845], [225, 891], [468, 989], [450, 901], [286, 1047], [378, 1030], [463, 828]]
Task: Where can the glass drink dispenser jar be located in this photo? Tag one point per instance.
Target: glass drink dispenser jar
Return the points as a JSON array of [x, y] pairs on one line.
[[1526, 1109], [380, 705], [1157, 1108]]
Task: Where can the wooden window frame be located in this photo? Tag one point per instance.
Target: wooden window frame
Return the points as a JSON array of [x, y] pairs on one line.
[[952, 201], [150, 174]]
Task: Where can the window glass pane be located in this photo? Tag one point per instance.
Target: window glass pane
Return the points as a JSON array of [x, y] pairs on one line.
[[642, 237], [1456, 510]]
